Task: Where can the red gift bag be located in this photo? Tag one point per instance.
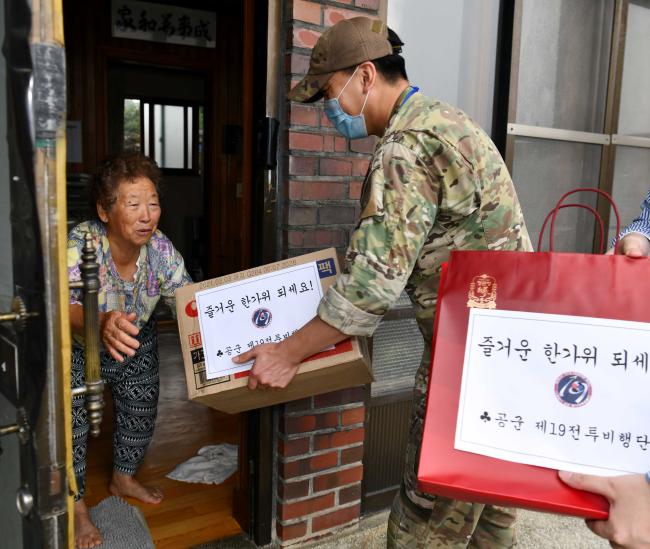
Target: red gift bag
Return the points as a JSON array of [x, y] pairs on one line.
[[601, 286]]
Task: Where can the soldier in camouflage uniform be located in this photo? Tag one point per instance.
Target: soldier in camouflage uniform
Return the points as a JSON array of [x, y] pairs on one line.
[[436, 183]]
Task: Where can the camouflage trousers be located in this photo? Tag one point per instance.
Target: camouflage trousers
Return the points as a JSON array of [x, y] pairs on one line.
[[418, 520]]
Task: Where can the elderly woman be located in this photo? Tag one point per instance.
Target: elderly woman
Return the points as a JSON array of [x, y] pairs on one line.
[[138, 266]]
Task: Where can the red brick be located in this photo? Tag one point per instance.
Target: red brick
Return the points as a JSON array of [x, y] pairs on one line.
[[302, 215], [302, 115], [352, 455], [360, 166], [355, 189], [288, 511], [337, 398], [295, 238], [306, 11], [312, 422], [328, 143], [350, 494], [302, 165], [337, 518], [309, 465], [323, 190], [367, 4], [304, 38], [293, 490], [365, 145], [332, 166], [338, 478], [295, 190], [294, 447], [297, 63], [329, 238], [291, 531], [305, 141], [324, 121], [334, 15], [340, 438], [340, 144], [354, 415]]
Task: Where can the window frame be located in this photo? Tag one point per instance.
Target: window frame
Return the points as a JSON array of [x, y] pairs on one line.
[[151, 102], [609, 139]]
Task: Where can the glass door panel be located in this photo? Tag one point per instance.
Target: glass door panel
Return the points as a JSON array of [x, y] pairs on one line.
[[543, 171], [564, 63]]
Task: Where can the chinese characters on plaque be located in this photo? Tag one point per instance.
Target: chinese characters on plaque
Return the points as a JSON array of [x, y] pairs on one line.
[[162, 23], [557, 391]]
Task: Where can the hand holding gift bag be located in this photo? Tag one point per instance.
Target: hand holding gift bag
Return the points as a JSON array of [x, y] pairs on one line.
[[569, 362]]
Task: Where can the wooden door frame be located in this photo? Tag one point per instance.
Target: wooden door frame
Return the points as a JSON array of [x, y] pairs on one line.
[[253, 498]]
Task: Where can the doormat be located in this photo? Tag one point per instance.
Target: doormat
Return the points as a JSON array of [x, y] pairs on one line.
[[122, 525]]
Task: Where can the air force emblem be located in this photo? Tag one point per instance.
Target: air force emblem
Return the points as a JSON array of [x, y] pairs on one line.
[[482, 292], [262, 318], [573, 389]]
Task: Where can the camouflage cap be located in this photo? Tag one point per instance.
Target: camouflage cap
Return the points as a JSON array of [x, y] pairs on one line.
[[346, 44]]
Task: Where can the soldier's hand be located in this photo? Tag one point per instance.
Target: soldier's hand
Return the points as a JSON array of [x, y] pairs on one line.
[[117, 331], [273, 368], [628, 525], [634, 245]]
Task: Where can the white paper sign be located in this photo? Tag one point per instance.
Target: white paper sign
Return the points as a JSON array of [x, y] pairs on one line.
[[563, 392], [267, 308]]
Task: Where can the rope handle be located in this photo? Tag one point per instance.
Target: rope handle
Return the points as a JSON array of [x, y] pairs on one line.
[[553, 215]]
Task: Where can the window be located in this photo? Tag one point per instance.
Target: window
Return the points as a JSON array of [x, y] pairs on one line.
[[582, 111], [170, 133]]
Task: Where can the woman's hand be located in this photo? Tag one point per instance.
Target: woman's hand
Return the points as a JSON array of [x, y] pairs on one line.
[[117, 331], [632, 245]]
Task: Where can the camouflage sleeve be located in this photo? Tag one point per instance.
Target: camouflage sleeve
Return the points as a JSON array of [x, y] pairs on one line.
[[399, 213]]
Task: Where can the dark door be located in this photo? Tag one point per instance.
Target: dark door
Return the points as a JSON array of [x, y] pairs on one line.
[[22, 341]]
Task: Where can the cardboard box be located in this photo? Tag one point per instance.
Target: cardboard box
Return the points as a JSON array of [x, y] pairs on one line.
[[346, 365]]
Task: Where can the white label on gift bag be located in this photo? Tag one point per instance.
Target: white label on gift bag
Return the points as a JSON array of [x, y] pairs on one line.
[[267, 308], [558, 391]]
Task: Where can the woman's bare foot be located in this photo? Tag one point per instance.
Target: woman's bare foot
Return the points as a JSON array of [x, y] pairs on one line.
[[126, 485], [86, 534]]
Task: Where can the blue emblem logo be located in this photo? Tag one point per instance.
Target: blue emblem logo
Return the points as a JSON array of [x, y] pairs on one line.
[[573, 389], [262, 318]]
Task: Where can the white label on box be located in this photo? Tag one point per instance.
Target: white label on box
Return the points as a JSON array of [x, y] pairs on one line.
[[563, 392], [267, 308]]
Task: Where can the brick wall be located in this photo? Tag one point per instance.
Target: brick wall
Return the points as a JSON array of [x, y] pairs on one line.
[[320, 451], [320, 447]]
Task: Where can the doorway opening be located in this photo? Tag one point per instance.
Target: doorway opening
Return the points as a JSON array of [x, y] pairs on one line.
[[184, 106]]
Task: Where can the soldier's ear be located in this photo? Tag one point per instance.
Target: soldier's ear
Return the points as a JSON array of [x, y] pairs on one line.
[[368, 73]]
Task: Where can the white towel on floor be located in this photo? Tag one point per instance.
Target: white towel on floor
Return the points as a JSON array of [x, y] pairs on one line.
[[212, 465]]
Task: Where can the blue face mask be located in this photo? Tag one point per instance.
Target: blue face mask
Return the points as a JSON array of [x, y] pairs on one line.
[[352, 127]]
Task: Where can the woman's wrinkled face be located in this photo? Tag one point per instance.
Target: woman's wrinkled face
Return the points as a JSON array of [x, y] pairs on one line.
[[134, 216]]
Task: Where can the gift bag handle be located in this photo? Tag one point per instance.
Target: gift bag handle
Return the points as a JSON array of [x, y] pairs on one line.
[[601, 225], [559, 206]]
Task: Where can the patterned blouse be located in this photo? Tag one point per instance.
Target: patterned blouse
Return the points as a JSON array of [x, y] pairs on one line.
[[160, 271]]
